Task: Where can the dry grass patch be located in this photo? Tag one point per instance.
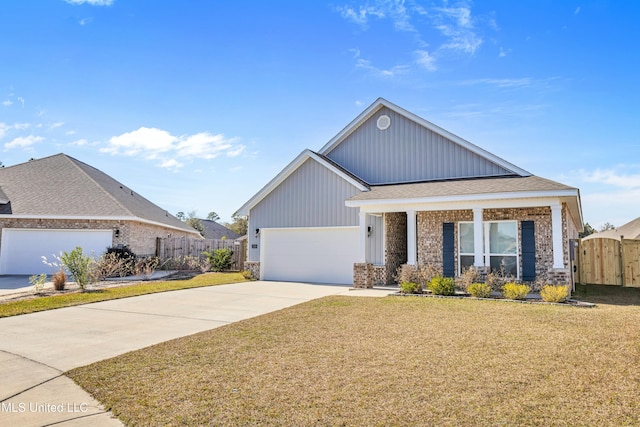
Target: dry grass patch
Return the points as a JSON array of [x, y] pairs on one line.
[[37, 303], [391, 361]]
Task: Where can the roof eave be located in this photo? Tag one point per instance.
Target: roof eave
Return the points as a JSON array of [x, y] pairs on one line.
[[99, 218]]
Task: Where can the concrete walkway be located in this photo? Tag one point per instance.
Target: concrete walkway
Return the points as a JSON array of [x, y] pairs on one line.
[[36, 349]]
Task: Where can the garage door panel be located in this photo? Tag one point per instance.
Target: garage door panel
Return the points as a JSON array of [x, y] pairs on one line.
[[319, 255], [21, 250]]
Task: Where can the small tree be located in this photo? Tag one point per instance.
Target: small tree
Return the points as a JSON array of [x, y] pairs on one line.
[[220, 259], [607, 226], [213, 216], [239, 224], [193, 221], [588, 230], [79, 265]]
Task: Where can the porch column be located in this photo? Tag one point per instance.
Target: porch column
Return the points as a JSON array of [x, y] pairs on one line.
[[411, 238], [556, 231], [478, 231], [362, 251]]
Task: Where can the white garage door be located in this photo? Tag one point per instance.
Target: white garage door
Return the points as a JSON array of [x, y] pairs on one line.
[[317, 255], [21, 250]]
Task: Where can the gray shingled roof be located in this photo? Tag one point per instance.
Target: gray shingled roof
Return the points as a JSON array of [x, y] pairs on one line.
[[461, 187], [213, 230], [62, 186]]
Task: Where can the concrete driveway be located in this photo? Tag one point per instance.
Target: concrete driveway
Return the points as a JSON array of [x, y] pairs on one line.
[[36, 349]]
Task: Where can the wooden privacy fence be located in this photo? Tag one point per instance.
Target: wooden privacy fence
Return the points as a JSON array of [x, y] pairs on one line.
[[176, 247], [602, 261]]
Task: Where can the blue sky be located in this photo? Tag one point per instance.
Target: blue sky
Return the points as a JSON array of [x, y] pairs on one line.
[[198, 104]]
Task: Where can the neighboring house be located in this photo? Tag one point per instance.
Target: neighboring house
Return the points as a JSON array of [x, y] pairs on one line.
[[215, 231], [392, 189], [630, 230], [56, 203]]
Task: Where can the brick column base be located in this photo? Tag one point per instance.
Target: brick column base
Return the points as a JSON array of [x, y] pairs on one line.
[[362, 275], [253, 267], [559, 276]]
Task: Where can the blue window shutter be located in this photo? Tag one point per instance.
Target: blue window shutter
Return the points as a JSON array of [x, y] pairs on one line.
[[528, 251], [448, 249]]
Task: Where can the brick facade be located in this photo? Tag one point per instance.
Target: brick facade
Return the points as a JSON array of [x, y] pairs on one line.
[[430, 238], [253, 267], [138, 236], [395, 251]]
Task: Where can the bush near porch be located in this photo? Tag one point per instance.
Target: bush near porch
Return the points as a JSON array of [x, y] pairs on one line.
[[414, 279]]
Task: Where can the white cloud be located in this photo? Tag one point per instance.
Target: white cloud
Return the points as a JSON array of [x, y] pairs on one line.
[[456, 26], [92, 2], [381, 72], [360, 15], [152, 143], [171, 164], [612, 177], [21, 100], [608, 195], [80, 142], [56, 125], [7, 102], [23, 142], [3, 129], [425, 60], [147, 141], [577, 11]]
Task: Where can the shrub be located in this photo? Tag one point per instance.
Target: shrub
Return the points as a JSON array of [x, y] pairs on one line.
[[442, 286], [551, 293], [146, 266], [515, 291], [59, 280], [37, 280], [220, 259], [247, 275], [110, 264], [467, 278], [79, 265], [421, 274], [122, 259], [479, 290], [410, 288]]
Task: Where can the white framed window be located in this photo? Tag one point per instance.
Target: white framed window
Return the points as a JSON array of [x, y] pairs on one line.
[[500, 246]]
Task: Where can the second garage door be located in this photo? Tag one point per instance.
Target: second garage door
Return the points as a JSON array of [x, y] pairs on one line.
[[21, 250], [316, 255]]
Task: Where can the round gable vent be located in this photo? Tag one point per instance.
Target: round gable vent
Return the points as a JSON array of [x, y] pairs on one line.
[[384, 122]]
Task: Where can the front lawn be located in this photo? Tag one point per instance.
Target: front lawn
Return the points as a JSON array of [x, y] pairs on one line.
[[25, 306], [392, 361]]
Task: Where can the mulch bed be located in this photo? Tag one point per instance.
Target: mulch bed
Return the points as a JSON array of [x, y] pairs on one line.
[[568, 302]]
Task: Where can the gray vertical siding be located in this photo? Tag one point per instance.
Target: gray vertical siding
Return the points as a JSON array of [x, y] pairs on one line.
[[407, 152], [375, 240], [312, 196]]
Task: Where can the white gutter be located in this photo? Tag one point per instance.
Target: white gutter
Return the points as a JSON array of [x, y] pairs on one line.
[[99, 218]]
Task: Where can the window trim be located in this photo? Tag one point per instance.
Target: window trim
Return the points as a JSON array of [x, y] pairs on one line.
[[486, 245]]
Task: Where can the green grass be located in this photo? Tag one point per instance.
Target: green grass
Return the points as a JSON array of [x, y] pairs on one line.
[[66, 300], [392, 361]]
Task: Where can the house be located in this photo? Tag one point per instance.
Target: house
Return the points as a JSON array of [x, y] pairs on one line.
[[630, 230], [56, 203], [393, 189], [215, 231]]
